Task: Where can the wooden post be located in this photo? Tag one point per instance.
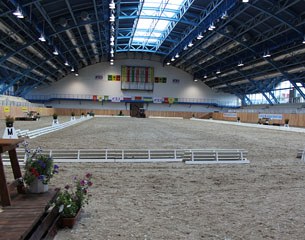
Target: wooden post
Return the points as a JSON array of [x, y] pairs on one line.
[[5, 196], [16, 169]]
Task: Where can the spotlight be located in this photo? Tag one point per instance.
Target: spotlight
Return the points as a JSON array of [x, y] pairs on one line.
[[42, 38], [168, 63], [18, 13], [112, 5], [76, 74], [218, 71], [190, 44], [66, 63], [177, 55], [55, 52], [112, 18], [72, 69], [240, 64], [245, 1], [173, 59], [199, 36]]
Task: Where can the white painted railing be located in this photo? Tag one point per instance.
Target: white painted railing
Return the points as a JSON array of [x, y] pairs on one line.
[[190, 156], [41, 131]]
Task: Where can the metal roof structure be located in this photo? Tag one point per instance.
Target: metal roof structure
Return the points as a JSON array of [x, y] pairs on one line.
[[234, 46]]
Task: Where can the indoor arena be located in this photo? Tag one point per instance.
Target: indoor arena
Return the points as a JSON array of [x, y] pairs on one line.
[[152, 119]]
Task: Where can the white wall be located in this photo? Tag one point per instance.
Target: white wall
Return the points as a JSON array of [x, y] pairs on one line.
[[86, 83]]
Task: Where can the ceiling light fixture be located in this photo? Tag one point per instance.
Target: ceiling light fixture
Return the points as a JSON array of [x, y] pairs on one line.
[[303, 40], [42, 38], [55, 52], [190, 44], [112, 18], [173, 59], [218, 71], [111, 5], [168, 63], [245, 1], [185, 48], [76, 74], [267, 54], [66, 63], [240, 64], [205, 76], [72, 69], [211, 27], [111, 63], [177, 55], [199, 36], [18, 13], [224, 15]]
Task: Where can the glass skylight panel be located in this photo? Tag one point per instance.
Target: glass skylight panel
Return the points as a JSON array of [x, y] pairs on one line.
[[154, 20]]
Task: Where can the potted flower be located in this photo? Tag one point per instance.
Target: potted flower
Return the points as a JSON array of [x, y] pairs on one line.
[[9, 121], [286, 122], [55, 116], [71, 200], [39, 169], [72, 116]]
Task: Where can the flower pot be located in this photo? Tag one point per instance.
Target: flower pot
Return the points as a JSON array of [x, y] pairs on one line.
[[69, 222], [37, 186], [9, 124]]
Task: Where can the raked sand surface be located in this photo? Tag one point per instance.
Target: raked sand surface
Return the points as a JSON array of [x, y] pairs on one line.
[[258, 201]]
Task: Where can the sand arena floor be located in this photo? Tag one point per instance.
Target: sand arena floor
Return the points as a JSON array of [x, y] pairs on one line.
[[261, 200]]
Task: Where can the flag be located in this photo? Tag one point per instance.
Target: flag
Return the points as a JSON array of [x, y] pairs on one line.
[[106, 98], [126, 98], [147, 99], [137, 98], [94, 98]]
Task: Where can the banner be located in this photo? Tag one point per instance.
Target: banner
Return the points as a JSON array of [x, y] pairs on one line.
[[157, 100], [230, 115], [100, 98], [160, 79], [137, 98], [114, 78], [24, 109], [147, 99], [115, 99], [271, 116], [94, 98], [106, 98], [126, 98]]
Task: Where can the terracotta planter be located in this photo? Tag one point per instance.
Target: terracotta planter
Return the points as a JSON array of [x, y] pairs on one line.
[[69, 222]]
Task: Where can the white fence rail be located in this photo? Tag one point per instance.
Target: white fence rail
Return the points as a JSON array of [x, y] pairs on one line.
[[190, 156], [41, 131]]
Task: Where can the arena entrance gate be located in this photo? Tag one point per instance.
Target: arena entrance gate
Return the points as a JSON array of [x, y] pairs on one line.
[[137, 110]]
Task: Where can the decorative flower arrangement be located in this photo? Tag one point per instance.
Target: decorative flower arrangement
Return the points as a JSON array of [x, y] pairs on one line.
[[9, 121], [74, 196], [38, 166]]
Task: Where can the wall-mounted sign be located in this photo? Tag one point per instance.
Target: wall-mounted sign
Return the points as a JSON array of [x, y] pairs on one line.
[[230, 115], [271, 116], [6, 109], [98, 77]]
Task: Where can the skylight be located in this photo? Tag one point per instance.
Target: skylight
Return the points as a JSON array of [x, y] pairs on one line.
[[154, 20]]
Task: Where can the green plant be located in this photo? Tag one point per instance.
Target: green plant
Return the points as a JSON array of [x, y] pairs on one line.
[[38, 166], [72, 114], [286, 121], [74, 196], [9, 119], [55, 115]]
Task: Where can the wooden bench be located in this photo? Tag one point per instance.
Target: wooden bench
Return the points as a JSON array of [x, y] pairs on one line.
[[210, 156]]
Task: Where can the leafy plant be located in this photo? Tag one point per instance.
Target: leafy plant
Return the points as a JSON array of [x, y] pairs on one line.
[[9, 119], [72, 114], [38, 166], [55, 115], [74, 196]]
